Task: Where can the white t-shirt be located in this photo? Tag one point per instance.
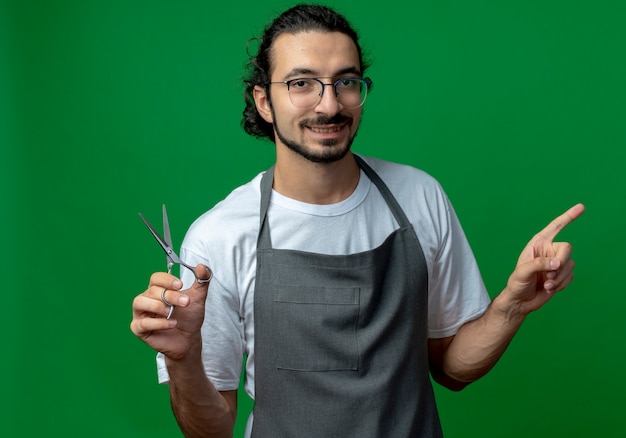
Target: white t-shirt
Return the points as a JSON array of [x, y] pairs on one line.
[[225, 238]]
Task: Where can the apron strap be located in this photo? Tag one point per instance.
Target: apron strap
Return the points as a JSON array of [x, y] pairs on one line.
[[264, 241], [395, 208]]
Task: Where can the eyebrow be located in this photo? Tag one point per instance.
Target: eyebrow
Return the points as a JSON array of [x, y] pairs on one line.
[[296, 72]]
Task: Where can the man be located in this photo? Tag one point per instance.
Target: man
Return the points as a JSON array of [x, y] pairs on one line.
[[345, 280]]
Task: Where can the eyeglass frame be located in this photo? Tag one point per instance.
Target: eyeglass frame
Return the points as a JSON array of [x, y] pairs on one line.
[[368, 83]]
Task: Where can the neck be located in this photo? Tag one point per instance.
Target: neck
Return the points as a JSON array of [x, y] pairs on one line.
[[315, 183]]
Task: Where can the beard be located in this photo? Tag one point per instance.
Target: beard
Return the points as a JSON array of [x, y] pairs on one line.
[[330, 152]]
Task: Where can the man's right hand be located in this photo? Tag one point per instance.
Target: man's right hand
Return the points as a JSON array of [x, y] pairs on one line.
[[175, 337]]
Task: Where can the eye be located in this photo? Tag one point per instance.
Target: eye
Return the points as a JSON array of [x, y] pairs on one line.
[[347, 83], [300, 84]]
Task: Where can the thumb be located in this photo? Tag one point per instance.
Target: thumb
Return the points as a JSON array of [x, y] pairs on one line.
[[199, 289], [528, 271], [203, 276]]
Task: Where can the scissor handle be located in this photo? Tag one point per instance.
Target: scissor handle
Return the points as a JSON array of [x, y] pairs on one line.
[[198, 279]]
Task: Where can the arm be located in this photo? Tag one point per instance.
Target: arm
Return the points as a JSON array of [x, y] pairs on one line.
[[543, 268], [199, 408]]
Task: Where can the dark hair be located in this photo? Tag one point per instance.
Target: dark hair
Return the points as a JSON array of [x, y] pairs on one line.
[[300, 18]]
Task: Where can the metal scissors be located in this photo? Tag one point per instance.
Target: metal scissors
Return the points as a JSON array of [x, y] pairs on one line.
[[172, 257]]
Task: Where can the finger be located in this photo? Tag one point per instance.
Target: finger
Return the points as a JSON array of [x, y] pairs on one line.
[[146, 326], [555, 227], [566, 282], [558, 281], [163, 279], [562, 251], [146, 306], [168, 297], [146, 313], [526, 272], [554, 288]]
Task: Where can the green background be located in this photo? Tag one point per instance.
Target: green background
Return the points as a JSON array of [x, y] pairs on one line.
[[110, 108]]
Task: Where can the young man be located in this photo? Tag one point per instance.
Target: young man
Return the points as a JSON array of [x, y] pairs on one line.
[[345, 280]]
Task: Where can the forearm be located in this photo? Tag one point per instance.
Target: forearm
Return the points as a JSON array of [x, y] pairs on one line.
[[479, 344], [200, 409]]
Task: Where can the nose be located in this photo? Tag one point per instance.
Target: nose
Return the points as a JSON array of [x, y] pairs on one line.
[[329, 104]]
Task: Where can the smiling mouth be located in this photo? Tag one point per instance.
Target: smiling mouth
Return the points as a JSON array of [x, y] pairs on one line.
[[325, 130], [327, 125]]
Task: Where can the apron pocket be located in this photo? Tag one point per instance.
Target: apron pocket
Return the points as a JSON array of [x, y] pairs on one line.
[[315, 328]]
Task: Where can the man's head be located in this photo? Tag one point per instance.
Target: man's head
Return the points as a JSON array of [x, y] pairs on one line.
[[305, 42]]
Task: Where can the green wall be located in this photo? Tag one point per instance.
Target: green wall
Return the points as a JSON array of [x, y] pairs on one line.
[[110, 108]]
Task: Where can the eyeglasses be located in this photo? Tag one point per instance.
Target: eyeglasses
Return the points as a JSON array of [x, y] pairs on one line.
[[308, 92]]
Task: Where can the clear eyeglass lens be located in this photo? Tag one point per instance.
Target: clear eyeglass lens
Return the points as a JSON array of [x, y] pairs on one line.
[[306, 93]]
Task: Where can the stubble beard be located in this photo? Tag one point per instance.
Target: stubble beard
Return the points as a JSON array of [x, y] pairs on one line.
[[330, 153]]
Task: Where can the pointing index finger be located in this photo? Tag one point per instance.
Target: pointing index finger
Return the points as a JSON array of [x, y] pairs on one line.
[[562, 221]]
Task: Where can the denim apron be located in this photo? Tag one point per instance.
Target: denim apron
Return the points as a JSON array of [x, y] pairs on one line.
[[340, 340]]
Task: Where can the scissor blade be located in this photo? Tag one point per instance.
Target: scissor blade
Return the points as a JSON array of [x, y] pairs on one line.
[[166, 227], [168, 238], [167, 248]]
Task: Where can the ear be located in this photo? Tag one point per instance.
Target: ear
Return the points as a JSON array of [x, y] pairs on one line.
[[262, 101]]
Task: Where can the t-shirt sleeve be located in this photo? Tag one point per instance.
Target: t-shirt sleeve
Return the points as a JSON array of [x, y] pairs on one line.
[[457, 293]]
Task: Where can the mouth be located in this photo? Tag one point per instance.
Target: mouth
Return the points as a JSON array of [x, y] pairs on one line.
[[326, 129]]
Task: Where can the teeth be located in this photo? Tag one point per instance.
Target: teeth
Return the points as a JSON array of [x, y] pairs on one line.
[[325, 130]]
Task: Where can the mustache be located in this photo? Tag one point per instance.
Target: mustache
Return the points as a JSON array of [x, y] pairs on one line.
[[323, 119]]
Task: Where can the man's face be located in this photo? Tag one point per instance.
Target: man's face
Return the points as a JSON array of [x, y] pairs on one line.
[[323, 133]]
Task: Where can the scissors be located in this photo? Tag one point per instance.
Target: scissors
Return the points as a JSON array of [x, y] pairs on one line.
[[172, 257]]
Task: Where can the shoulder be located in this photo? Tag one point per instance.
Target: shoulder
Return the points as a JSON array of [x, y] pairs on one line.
[[422, 199], [396, 174], [230, 221], [408, 183]]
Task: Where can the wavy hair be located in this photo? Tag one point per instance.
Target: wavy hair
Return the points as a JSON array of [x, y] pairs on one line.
[[300, 18]]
